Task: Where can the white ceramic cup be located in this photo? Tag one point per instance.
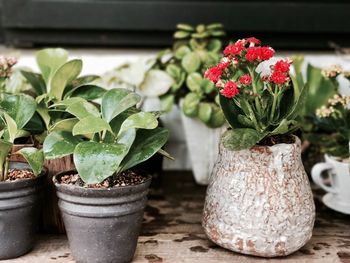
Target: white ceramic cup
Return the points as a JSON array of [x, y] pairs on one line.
[[339, 177]]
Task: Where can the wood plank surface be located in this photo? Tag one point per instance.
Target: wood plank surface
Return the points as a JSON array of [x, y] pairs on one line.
[[172, 232]]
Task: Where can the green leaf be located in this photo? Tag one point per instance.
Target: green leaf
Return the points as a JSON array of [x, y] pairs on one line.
[[115, 101], [191, 62], [190, 104], [217, 118], [82, 109], [284, 127], [11, 127], [5, 148], [174, 71], [146, 144], [65, 74], [194, 81], [215, 26], [181, 34], [185, 27], [34, 157], [64, 125], [205, 111], [87, 92], [43, 111], [240, 139], [49, 60], [140, 120], [89, 125], [181, 52], [36, 81], [59, 144], [21, 108], [207, 86], [156, 83], [97, 161], [214, 45], [166, 102], [231, 112]]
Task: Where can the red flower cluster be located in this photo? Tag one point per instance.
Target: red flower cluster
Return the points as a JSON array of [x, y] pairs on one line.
[[245, 80], [230, 90], [253, 40], [259, 53], [280, 74], [234, 49], [214, 73]]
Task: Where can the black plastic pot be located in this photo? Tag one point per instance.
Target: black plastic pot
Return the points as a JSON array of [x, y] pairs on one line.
[[102, 225], [19, 213]]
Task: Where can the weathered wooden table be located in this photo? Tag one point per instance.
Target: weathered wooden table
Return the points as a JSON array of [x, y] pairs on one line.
[[172, 232]]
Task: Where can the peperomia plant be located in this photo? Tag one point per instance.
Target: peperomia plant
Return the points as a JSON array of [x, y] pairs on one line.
[[332, 127], [59, 79], [195, 49], [108, 140], [257, 106], [15, 113]]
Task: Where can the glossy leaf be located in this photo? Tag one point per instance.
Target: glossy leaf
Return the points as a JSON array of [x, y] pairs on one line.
[[97, 161], [190, 104], [82, 109], [191, 62], [87, 92], [166, 102], [89, 125], [194, 81], [59, 144], [64, 125], [34, 157], [5, 148], [146, 144], [115, 101], [36, 81], [240, 139], [182, 51], [65, 74], [140, 120], [11, 127], [205, 111]]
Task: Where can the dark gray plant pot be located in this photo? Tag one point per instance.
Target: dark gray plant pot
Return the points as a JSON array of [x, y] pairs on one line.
[[102, 225], [19, 213]]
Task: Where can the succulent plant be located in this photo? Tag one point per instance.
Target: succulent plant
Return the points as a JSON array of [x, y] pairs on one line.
[[194, 50]]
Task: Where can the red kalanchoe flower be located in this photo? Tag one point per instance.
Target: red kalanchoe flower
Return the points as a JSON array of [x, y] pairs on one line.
[[279, 77], [245, 80], [234, 49], [253, 40], [213, 73], [230, 90], [223, 65], [259, 53], [252, 53], [266, 53], [282, 66]]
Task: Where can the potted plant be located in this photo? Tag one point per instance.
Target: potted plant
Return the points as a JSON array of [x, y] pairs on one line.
[[259, 200], [59, 79], [332, 135], [102, 202], [194, 50], [20, 183]]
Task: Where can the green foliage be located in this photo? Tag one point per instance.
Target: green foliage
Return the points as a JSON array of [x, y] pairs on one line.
[[15, 112], [194, 50], [115, 139]]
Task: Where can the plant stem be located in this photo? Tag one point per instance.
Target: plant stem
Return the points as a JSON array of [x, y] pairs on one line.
[[6, 169], [257, 101], [274, 102], [252, 115]]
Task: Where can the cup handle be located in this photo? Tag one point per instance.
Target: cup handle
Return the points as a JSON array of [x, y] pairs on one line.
[[316, 172]]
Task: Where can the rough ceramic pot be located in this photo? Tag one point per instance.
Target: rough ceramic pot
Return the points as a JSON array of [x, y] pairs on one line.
[[102, 225], [259, 201], [19, 213], [202, 144]]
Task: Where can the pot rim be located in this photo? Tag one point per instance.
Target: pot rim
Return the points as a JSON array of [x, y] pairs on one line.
[[25, 181], [101, 190]]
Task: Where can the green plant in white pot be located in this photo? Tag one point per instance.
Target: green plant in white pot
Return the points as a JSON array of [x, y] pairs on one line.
[[194, 50], [105, 194], [20, 182], [259, 175]]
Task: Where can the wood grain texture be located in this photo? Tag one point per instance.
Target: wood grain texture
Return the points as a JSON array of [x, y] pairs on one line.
[[172, 233]]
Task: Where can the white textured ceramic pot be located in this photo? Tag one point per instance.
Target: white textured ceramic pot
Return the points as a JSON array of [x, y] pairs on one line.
[[259, 201], [202, 144]]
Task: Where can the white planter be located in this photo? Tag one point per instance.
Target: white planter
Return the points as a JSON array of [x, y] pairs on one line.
[[203, 147]]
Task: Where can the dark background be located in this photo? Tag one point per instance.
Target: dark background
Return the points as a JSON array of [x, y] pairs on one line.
[[284, 24]]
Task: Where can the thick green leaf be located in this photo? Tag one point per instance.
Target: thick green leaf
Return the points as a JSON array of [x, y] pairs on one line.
[[182, 51], [49, 60], [231, 112], [87, 92], [64, 125], [181, 34], [5, 148], [185, 27], [214, 45], [240, 139], [156, 83], [43, 111], [166, 102], [115, 101], [191, 62], [36, 81], [284, 127], [140, 120], [190, 104], [21, 108], [89, 125], [34, 157], [194, 81], [59, 144], [11, 127], [217, 118], [97, 161], [64, 75], [205, 111], [174, 71], [146, 144], [207, 86], [83, 109]]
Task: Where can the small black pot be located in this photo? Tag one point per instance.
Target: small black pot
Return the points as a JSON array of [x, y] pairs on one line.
[[19, 213], [102, 225]]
